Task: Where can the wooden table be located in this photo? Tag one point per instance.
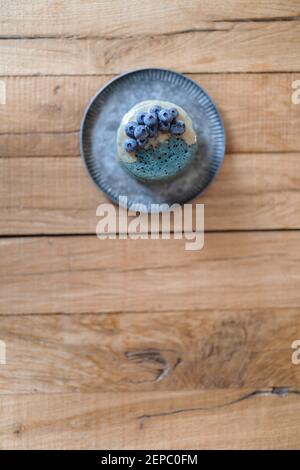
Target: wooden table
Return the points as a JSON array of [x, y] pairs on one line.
[[139, 343]]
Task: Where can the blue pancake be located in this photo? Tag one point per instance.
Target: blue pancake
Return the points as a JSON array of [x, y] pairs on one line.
[[164, 153], [165, 161]]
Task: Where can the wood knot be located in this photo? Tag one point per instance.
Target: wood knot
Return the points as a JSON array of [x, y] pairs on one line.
[[158, 362]]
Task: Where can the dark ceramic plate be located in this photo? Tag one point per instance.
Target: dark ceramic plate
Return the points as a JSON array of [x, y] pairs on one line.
[[99, 130]]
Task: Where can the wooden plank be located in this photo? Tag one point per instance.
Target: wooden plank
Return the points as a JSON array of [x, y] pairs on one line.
[[42, 115], [54, 195], [47, 104], [53, 144], [240, 419], [129, 352], [88, 275], [19, 18], [254, 47]]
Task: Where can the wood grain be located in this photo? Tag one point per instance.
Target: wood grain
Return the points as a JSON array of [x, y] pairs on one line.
[[174, 351], [48, 144], [240, 419], [19, 18], [86, 275], [257, 109], [54, 195], [254, 47]]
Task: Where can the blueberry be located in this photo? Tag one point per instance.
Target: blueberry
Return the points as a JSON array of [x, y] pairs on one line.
[[152, 130], [150, 119], [174, 113], [164, 127], [165, 116], [141, 133], [140, 117], [155, 109], [142, 143], [130, 145], [129, 128], [177, 128]]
